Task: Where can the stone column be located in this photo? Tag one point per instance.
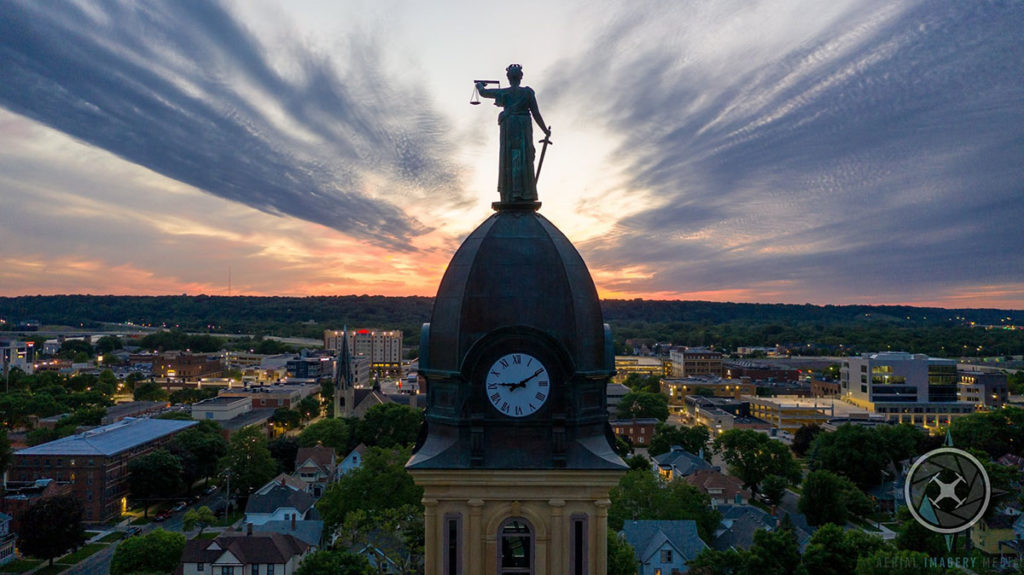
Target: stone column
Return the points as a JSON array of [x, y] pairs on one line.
[[474, 539], [433, 554], [601, 537], [558, 549]]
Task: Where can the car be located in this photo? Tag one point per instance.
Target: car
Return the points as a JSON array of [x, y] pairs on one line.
[[131, 531], [211, 490], [180, 505], [162, 515]]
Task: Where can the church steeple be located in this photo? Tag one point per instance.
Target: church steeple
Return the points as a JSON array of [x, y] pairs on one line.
[[344, 380]]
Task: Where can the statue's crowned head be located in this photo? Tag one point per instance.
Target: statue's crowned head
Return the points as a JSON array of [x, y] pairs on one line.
[[514, 73]]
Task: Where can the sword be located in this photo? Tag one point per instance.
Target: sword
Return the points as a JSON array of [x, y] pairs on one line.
[[540, 163]]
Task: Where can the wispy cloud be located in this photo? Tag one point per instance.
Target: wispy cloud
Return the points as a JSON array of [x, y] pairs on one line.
[[862, 149], [185, 90]]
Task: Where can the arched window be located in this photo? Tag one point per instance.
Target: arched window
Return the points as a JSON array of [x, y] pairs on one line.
[[515, 547]]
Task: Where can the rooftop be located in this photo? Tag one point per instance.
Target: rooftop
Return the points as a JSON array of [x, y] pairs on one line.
[[110, 439]]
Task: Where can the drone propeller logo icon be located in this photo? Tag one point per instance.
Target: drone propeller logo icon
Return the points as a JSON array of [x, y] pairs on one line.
[[947, 490]]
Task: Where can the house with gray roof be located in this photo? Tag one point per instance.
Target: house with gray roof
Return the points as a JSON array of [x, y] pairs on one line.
[[309, 531], [679, 463], [279, 502], [663, 546], [739, 522]]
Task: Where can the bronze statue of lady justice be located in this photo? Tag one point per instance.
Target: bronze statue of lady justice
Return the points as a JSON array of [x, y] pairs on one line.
[[517, 182]]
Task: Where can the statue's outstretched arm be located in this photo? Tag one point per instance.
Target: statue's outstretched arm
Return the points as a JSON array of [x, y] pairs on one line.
[[486, 92], [535, 111]]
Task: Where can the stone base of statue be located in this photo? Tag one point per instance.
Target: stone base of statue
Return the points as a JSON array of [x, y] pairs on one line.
[[527, 206]]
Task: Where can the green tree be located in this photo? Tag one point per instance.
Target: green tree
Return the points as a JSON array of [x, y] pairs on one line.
[[713, 562], [336, 433], [641, 404], [284, 449], [200, 449], [51, 526], [390, 424], [648, 384], [899, 562], [73, 349], [201, 517], [803, 437], [1015, 382], [108, 343], [833, 550], [752, 456], [286, 418], [380, 483], [621, 560], [248, 461], [154, 475], [309, 407], [775, 553], [6, 455], [912, 536], [852, 451], [773, 488], [830, 498], [340, 562], [155, 552], [149, 391], [641, 495], [403, 544], [692, 439], [640, 462], [994, 432]]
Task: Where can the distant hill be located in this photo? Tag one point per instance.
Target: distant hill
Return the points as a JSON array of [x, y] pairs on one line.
[[200, 311], [831, 329]]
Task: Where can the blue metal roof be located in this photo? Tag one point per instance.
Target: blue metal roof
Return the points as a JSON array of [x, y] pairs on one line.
[[110, 439]]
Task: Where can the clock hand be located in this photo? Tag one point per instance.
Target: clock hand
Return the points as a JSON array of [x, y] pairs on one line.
[[535, 374]]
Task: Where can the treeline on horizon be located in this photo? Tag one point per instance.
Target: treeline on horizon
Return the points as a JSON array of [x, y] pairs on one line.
[[832, 328]]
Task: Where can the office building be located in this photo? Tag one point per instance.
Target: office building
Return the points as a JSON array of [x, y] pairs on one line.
[[695, 362], [96, 462]]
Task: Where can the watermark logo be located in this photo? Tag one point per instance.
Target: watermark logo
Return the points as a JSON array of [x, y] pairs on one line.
[[947, 490]]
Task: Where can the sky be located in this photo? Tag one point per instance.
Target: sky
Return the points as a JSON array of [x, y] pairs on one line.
[[785, 151]]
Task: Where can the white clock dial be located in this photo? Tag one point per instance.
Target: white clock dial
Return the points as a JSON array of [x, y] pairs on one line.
[[518, 384]]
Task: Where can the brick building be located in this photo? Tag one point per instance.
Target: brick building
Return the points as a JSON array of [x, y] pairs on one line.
[[96, 462]]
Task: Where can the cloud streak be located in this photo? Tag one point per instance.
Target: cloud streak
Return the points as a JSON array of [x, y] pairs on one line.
[[870, 151], [184, 90]]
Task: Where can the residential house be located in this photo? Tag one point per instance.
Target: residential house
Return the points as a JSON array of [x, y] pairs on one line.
[[7, 539], [991, 534], [244, 554], [679, 463], [353, 460], [739, 522], [663, 547], [280, 500], [315, 466], [310, 531], [722, 489]]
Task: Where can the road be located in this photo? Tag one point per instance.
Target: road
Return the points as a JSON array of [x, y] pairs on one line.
[[99, 563]]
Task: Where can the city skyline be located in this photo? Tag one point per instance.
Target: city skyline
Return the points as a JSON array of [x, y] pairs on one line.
[[784, 152]]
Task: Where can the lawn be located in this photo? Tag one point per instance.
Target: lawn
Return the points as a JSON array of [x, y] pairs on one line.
[[82, 553], [51, 569], [20, 565], [111, 537], [230, 519]]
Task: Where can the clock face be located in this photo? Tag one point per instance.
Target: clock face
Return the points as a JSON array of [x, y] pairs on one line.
[[518, 384]]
